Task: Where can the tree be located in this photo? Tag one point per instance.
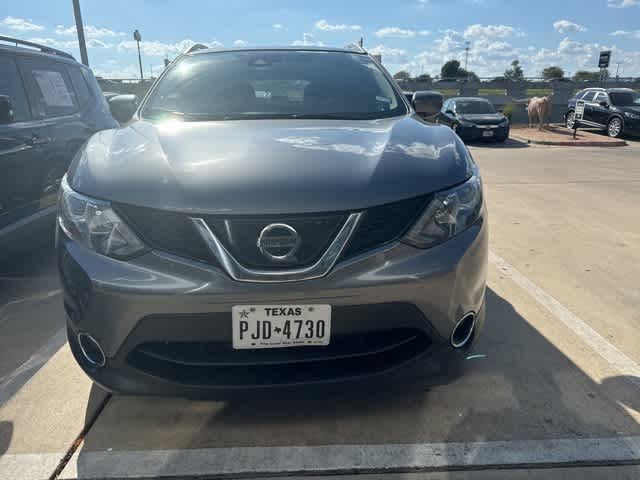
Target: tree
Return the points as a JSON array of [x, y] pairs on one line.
[[402, 75], [553, 73], [585, 76], [450, 69], [425, 77], [515, 73]]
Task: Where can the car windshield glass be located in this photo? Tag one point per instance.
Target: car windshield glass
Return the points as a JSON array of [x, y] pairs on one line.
[[625, 99], [274, 84], [474, 107]]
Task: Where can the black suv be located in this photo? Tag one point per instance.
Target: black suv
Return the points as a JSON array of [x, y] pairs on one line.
[[49, 106], [616, 110]]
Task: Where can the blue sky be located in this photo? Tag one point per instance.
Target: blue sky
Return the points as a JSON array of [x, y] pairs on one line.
[[417, 35]]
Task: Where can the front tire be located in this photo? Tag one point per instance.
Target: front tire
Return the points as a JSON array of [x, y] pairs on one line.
[[570, 119], [615, 127]]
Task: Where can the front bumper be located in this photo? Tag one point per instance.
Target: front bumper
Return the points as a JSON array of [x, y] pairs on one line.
[[475, 132], [164, 323], [631, 126]]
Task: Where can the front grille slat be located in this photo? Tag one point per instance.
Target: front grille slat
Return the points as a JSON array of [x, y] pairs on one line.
[[384, 224], [171, 232], [174, 232]]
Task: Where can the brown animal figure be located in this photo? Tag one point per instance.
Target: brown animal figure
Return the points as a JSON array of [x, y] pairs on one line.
[[539, 108]]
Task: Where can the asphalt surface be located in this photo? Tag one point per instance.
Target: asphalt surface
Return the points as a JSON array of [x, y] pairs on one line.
[[550, 391]]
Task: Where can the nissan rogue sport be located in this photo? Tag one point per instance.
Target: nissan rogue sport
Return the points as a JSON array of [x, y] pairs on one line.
[[271, 217]]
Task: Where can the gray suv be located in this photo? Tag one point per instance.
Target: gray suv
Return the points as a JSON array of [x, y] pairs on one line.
[[271, 217]]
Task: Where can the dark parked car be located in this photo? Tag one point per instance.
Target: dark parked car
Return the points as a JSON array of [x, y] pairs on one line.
[[615, 110], [474, 119], [49, 106], [271, 217]]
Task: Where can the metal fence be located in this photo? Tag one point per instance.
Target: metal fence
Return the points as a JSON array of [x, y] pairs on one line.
[[512, 96]]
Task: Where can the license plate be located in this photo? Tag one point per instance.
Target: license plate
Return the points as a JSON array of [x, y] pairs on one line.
[[487, 133], [276, 326]]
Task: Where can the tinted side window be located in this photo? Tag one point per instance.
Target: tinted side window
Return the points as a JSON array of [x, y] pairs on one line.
[[11, 85], [50, 90], [80, 86], [589, 96], [95, 88]]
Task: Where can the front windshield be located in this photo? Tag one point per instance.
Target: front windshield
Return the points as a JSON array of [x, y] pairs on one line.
[[473, 107], [625, 99], [272, 83]]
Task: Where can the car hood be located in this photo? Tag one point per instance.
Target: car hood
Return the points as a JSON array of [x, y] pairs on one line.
[[482, 118], [269, 166]]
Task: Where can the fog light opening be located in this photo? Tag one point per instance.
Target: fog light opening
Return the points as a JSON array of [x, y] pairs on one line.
[[463, 331], [91, 350]]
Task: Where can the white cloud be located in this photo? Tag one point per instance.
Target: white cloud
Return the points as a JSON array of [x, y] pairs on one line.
[[490, 31], [626, 34], [622, 3], [308, 40], [90, 31], [21, 25], [240, 43], [424, 33], [395, 32], [50, 42], [328, 27], [565, 26], [390, 55], [278, 27], [96, 43], [155, 48]]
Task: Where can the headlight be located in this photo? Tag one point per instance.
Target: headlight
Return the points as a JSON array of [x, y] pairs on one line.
[[94, 224], [449, 213], [634, 116], [504, 121]]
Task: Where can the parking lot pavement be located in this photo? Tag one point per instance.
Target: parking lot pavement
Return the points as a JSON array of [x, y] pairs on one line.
[[553, 381]]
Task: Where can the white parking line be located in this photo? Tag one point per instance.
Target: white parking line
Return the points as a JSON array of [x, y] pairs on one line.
[[349, 458], [617, 359]]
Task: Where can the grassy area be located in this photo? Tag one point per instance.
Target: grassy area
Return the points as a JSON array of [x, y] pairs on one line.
[[485, 92], [539, 92], [448, 92]]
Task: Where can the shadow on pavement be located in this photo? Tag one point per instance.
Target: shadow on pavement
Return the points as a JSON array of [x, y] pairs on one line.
[[518, 386], [509, 143], [6, 433]]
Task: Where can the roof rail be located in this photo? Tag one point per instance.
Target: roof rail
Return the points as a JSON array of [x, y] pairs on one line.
[[42, 48], [195, 47], [355, 46]]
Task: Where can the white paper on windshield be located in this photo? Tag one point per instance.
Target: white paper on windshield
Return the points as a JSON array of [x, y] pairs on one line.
[[53, 88]]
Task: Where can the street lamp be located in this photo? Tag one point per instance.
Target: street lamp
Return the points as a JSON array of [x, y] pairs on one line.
[[138, 38]]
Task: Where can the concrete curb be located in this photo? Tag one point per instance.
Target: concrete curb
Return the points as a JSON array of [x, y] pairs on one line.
[[571, 143]]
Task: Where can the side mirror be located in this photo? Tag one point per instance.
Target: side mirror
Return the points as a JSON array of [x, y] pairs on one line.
[[6, 110], [427, 103], [603, 103], [450, 112], [123, 107]]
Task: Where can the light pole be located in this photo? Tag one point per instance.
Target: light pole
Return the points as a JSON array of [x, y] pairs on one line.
[[80, 30], [138, 38]]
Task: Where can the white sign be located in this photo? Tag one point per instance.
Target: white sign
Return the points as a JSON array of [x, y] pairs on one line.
[[579, 110], [54, 90]]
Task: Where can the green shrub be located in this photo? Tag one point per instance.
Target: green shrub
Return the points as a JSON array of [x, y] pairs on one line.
[[509, 110]]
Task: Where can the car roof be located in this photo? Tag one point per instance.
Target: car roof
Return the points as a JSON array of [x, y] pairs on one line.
[[36, 50], [620, 90], [301, 48], [471, 99]]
